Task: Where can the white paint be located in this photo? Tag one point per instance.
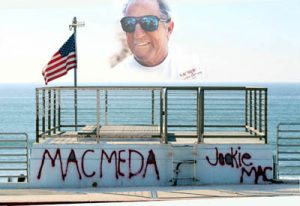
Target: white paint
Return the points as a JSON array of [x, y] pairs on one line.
[[165, 155]]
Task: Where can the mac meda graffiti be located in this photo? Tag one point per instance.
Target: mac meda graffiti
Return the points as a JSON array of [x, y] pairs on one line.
[[237, 159], [115, 159], [131, 163]]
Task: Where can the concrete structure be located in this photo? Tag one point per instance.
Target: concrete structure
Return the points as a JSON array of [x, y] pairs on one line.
[[117, 164]]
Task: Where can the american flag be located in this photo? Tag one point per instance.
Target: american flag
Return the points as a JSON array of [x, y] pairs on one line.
[[61, 62]]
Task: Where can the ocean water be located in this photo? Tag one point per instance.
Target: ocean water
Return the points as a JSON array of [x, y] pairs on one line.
[[17, 106]]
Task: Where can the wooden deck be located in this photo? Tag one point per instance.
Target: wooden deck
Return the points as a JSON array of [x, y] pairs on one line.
[[148, 135], [119, 131]]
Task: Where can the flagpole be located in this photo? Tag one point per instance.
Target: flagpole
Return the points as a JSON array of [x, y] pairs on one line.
[[74, 26], [75, 38]]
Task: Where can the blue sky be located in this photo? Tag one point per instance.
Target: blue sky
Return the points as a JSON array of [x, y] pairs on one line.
[[235, 40]]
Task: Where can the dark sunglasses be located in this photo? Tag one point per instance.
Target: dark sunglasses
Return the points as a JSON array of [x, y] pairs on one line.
[[148, 23]]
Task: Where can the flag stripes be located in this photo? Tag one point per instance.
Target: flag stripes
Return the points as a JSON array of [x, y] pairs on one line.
[[61, 62]]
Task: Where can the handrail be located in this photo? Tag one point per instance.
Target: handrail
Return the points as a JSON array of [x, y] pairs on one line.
[[199, 109], [287, 151], [14, 152], [142, 87]]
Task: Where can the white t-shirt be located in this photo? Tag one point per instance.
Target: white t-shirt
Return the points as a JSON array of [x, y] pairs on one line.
[[171, 69]]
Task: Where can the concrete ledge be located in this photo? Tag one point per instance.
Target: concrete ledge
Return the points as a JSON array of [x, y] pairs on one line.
[[135, 194]]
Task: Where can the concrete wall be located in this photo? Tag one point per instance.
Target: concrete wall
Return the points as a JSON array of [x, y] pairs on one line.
[[109, 165]]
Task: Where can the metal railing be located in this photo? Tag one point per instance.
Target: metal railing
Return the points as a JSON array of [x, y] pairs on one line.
[[13, 157], [234, 110], [161, 112], [287, 165]]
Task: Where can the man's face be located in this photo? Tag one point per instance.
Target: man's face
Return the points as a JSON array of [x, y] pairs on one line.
[[149, 48]]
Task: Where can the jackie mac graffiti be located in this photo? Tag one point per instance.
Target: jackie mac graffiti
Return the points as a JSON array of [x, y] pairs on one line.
[[127, 163], [237, 159]]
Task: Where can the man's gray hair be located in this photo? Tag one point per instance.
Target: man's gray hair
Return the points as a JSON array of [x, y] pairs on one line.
[[163, 7]]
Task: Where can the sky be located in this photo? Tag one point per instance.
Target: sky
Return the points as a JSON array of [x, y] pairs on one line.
[[234, 40]]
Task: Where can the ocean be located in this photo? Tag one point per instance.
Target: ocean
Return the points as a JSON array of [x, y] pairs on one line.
[[17, 106]]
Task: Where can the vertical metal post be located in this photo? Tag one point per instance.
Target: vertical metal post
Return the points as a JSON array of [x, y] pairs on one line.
[[246, 108], [153, 102], [27, 157], [74, 23], [54, 111], [44, 112], [161, 114], [277, 151], [202, 102], [166, 116], [106, 106], [75, 107], [49, 112], [198, 116], [74, 26], [250, 112], [98, 116], [59, 110], [255, 109], [260, 113], [37, 112], [266, 116]]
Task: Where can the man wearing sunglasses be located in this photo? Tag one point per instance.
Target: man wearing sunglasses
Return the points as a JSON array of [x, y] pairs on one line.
[[148, 26]]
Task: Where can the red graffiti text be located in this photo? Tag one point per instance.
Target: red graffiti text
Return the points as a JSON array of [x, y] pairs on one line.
[[113, 159], [235, 158]]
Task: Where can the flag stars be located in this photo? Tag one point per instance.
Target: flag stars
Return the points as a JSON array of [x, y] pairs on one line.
[[68, 47]]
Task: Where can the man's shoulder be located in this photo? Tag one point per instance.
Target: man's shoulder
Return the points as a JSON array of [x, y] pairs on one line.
[[126, 63]]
